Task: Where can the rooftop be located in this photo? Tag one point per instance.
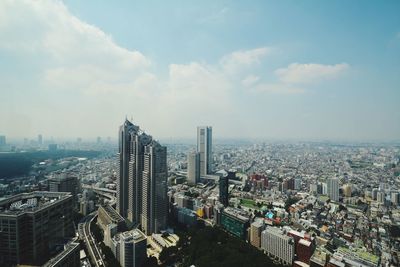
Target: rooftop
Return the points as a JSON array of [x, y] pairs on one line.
[[31, 202], [134, 236]]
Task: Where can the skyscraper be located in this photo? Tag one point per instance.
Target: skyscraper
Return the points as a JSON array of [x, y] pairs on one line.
[[333, 189], [223, 187], [204, 147], [142, 181], [155, 200], [40, 139], [193, 173]]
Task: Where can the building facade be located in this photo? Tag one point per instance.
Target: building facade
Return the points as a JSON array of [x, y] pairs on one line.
[[333, 189], [155, 199], [132, 248], [278, 245], [204, 148], [193, 169], [33, 225]]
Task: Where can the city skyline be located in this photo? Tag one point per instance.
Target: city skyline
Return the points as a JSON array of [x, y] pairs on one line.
[[286, 71]]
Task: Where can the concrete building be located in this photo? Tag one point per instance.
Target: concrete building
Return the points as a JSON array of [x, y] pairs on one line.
[[155, 199], [108, 215], [255, 233], [193, 169], [33, 225], [64, 183], [132, 248], [68, 257], [347, 190], [380, 197], [204, 148], [278, 245], [234, 221], [333, 189]]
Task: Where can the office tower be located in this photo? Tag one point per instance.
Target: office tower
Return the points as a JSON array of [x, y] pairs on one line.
[[255, 233], [193, 173], [64, 183], [223, 188], [127, 131], [277, 244], [132, 248], [333, 189], [142, 179], [40, 139], [32, 226], [129, 182], [2, 140], [154, 200], [204, 147]]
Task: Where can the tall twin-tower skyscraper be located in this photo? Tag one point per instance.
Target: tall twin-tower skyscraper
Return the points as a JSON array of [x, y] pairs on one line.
[[142, 179]]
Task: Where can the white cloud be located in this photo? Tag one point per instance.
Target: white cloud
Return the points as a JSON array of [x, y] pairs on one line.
[[243, 59], [78, 75], [297, 73], [250, 80], [75, 55], [278, 88]]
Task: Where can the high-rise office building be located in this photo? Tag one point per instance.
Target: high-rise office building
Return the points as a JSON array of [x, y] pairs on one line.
[[40, 139], [142, 180], [127, 132], [32, 225], [223, 188], [132, 248], [193, 169], [64, 183], [204, 147], [333, 189], [155, 199]]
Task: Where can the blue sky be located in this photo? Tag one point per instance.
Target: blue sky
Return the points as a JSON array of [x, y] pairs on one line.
[[266, 69]]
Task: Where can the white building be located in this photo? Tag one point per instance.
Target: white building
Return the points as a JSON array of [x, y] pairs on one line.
[[278, 245], [333, 189]]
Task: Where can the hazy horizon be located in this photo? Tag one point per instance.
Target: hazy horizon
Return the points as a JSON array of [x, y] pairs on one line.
[[264, 70]]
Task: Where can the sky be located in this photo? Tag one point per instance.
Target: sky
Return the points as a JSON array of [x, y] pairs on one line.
[[302, 70]]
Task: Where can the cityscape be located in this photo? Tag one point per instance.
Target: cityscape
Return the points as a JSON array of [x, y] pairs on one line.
[[221, 166]]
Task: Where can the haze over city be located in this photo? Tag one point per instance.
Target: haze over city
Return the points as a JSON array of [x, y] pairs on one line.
[[279, 70]]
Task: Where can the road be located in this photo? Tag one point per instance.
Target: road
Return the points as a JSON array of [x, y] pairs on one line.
[[87, 237]]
